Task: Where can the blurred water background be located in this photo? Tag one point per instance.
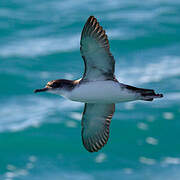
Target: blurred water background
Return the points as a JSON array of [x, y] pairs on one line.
[[40, 134]]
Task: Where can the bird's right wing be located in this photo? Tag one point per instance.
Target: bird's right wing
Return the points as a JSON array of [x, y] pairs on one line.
[[95, 125]]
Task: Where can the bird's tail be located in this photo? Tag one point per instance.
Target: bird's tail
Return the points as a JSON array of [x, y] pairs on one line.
[[145, 94], [149, 95]]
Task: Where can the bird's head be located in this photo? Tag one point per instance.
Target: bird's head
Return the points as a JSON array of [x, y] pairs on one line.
[[56, 86]]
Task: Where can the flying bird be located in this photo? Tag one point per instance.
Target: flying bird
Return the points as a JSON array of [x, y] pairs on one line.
[[98, 88]]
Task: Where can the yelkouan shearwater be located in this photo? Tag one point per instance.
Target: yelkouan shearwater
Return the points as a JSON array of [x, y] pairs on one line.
[[98, 88]]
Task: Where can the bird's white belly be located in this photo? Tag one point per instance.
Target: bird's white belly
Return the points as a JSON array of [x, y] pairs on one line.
[[101, 92]]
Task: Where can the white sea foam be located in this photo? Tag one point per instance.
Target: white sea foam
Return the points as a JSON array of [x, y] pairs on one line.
[[124, 33], [153, 171], [138, 15], [163, 68], [142, 126], [40, 46], [147, 161], [174, 96], [100, 158], [152, 140], [171, 160], [30, 111], [168, 115]]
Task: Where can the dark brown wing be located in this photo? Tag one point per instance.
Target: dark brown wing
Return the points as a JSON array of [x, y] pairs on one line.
[[95, 125], [99, 62]]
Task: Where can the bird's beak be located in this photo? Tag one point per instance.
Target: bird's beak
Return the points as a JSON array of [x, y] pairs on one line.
[[41, 90]]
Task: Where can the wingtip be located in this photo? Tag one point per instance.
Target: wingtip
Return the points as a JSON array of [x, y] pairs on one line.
[[91, 16], [90, 19]]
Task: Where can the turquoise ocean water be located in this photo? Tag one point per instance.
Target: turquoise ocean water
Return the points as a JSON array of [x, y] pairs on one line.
[[40, 134]]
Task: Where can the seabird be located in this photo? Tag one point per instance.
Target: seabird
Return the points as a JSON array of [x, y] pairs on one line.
[[98, 88]]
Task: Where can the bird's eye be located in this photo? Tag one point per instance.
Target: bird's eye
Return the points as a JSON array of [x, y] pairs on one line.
[[56, 85]]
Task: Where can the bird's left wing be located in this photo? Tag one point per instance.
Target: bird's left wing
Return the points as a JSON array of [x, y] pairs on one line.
[[95, 125], [95, 51]]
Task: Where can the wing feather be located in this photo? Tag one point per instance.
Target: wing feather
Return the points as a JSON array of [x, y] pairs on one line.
[[95, 51], [95, 125]]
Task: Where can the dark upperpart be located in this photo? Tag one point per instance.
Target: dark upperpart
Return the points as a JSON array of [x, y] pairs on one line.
[[58, 84]]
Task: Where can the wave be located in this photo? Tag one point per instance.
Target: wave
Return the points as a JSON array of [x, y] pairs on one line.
[[123, 38], [41, 39], [168, 169], [139, 15], [40, 46], [29, 111], [165, 67]]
